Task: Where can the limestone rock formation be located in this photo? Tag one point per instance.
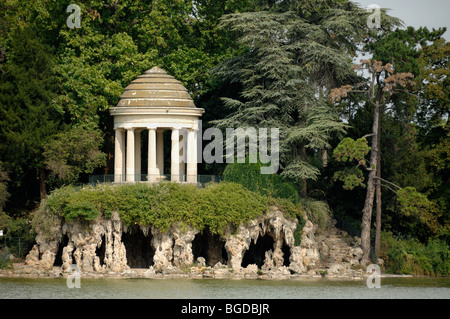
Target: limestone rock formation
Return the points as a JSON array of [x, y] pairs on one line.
[[264, 246]]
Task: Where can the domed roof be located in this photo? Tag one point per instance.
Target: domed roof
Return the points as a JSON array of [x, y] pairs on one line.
[[155, 88]]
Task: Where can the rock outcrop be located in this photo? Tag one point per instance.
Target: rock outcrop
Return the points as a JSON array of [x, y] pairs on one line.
[[263, 247], [339, 252], [80, 247]]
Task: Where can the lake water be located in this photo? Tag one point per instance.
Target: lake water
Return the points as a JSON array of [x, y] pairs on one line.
[[122, 288]]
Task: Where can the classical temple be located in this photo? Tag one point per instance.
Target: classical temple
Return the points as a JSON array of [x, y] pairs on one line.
[[157, 102]]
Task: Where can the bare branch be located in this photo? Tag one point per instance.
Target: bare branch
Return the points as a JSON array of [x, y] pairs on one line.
[[394, 191], [385, 181]]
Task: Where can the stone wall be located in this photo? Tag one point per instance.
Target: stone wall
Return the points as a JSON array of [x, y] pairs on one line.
[[265, 246]]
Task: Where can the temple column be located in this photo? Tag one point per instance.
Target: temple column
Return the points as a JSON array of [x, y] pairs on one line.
[[152, 172], [160, 152], [119, 155], [137, 154], [131, 167], [182, 153], [191, 166], [175, 155]]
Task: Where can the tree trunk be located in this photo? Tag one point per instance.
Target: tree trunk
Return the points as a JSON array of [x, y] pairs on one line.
[[324, 158], [370, 194], [42, 187], [378, 195]]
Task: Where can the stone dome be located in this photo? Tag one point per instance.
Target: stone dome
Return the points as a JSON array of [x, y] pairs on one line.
[[155, 88]]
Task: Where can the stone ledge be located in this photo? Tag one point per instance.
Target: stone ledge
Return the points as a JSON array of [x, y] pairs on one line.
[[21, 270]]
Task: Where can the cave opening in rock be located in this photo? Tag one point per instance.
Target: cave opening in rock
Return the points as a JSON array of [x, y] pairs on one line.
[[139, 248], [58, 258], [256, 253], [286, 254], [100, 251], [210, 247]]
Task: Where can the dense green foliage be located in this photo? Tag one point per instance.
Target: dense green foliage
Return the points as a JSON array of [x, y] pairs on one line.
[[413, 257], [350, 150], [281, 190], [3, 186], [27, 121], [249, 175], [217, 206], [258, 63], [278, 59], [74, 152], [413, 133], [54, 79]]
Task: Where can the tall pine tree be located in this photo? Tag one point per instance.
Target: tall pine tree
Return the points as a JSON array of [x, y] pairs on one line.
[[295, 53]]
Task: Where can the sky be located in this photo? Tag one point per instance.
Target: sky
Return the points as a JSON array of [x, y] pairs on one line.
[[417, 13]]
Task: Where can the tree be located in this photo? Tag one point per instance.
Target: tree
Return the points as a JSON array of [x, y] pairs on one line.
[[74, 152], [179, 36], [91, 65], [295, 53], [382, 84], [28, 120], [4, 178], [437, 158], [434, 63], [404, 163]]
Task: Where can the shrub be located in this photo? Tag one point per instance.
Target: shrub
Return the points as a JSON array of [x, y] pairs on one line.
[[216, 206], [5, 261], [228, 204], [318, 212], [249, 175], [17, 234], [282, 192], [84, 209], [409, 256]]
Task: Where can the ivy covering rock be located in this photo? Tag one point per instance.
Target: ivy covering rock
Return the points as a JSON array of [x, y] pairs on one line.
[[161, 205], [171, 228]]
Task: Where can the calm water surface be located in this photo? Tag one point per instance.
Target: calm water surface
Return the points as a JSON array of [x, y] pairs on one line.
[[223, 288]]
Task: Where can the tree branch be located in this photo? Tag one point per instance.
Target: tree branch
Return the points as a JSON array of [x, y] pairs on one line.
[[393, 190], [409, 93], [385, 181]]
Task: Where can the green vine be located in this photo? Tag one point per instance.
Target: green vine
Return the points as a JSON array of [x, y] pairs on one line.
[[216, 206]]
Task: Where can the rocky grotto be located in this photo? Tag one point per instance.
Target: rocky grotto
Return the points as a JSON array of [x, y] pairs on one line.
[[265, 247]]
